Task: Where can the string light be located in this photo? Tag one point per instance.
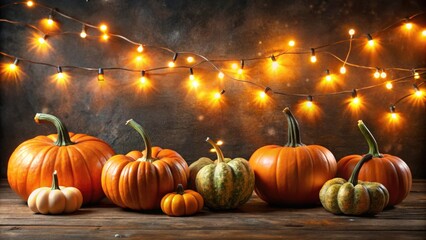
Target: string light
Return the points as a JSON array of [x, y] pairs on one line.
[[291, 43], [172, 63], [389, 85], [191, 74], [274, 62], [351, 32], [83, 33], [328, 75], [313, 57], [424, 33], [13, 66], [42, 40], [105, 36], [343, 70], [143, 78], [263, 94], [355, 98], [218, 95], [140, 48], [101, 76], [309, 103], [50, 21], [190, 59], [30, 3], [220, 75], [103, 28], [370, 40], [383, 74], [393, 113], [240, 71], [408, 25], [60, 75], [416, 75], [418, 92], [377, 73]]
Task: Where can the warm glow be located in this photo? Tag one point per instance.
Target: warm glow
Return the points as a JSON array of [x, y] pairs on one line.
[[383, 74], [416, 75], [355, 101], [191, 77], [351, 32], [143, 81], [101, 77], [275, 65], [139, 59], [240, 71], [103, 27], [343, 70], [328, 78], [377, 74], [371, 43], [140, 48], [217, 95], [262, 94], [60, 76], [234, 66], [309, 104], [105, 36], [418, 93], [50, 22], [41, 40], [171, 64], [221, 75], [30, 3], [313, 59], [195, 84], [291, 43], [83, 34], [12, 67], [190, 59], [424, 33], [389, 85], [408, 26]]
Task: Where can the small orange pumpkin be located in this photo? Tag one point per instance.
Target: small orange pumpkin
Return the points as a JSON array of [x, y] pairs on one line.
[[139, 180], [182, 202]]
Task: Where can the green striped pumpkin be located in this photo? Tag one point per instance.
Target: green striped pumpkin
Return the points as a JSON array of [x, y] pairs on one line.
[[225, 183]]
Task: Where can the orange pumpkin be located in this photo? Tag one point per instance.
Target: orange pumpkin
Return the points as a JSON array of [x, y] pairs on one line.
[[292, 174], [80, 157], [391, 171], [182, 202], [138, 180]]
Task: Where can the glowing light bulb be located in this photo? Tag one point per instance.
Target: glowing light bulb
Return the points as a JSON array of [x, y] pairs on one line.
[[219, 142], [394, 116], [191, 74], [103, 27], [383, 74], [389, 85], [218, 95], [419, 93], [274, 62], [60, 75], [416, 75], [408, 26], [377, 73], [262, 94], [83, 34], [190, 59], [234, 66], [13, 66], [328, 75], [138, 58], [30, 3], [351, 32], [343, 70], [50, 20], [42, 40], [105, 36], [309, 103], [424, 33], [142, 80], [140, 48], [171, 64], [240, 71], [356, 101], [370, 40], [195, 84], [291, 43], [313, 57], [221, 75]]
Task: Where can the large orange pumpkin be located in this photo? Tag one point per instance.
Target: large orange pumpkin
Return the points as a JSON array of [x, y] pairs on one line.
[[80, 157], [139, 180], [391, 171], [292, 174]]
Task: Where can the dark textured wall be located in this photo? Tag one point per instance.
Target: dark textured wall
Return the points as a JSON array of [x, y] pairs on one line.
[[180, 119]]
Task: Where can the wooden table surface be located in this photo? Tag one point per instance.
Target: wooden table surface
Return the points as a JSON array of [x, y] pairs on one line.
[[255, 219]]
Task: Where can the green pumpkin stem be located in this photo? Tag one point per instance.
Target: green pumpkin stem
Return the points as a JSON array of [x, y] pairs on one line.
[[179, 189], [373, 148], [220, 157], [63, 134], [145, 137], [293, 130], [55, 181], [354, 176]]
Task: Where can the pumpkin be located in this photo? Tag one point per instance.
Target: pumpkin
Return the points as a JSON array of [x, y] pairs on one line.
[[354, 197], [80, 157], [139, 180], [182, 202], [292, 174], [387, 169], [55, 199], [225, 183]]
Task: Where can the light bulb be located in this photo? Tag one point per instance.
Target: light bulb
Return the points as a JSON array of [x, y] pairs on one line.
[[424, 33], [383, 74], [309, 102], [171, 64], [416, 75], [103, 27], [101, 75], [328, 75], [313, 57], [30, 3], [195, 83], [262, 94], [140, 48], [221, 75], [343, 70], [240, 71], [377, 73], [351, 32], [190, 59], [218, 95], [60, 75], [50, 20], [274, 62], [142, 80], [138, 58], [83, 34], [408, 26], [291, 43], [389, 85], [234, 66], [370, 40], [105, 36], [42, 40]]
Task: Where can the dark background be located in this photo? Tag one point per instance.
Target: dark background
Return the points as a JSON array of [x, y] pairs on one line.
[[181, 119]]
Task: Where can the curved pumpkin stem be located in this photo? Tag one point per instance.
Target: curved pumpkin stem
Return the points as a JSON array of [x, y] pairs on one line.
[[55, 181], [179, 189], [373, 148], [293, 130], [63, 134], [220, 157], [145, 137], [354, 176]]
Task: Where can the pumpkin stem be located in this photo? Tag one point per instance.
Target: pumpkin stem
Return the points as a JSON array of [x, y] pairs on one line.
[[55, 181], [354, 176], [220, 157], [373, 148], [293, 130], [63, 134], [145, 137], [179, 189]]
